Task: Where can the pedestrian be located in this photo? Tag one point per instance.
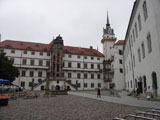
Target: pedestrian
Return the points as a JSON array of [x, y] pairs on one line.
[[138, 91], [98, 93], [148, 93]]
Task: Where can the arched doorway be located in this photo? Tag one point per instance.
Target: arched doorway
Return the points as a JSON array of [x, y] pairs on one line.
[[42, 87], [154, 83], [144, 83], [57, 87]]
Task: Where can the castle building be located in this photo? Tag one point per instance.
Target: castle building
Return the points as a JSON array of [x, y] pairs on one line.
[[142, 47], [57, 67]]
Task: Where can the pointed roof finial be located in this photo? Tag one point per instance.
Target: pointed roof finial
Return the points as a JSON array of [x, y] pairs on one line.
[[107, 20]]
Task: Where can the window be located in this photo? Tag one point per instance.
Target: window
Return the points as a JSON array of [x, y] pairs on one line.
[[78, 75], [92, 66], [31, 73], [85, 57], [92, 85], [12, 51], [133, 35], [120, 52], [78, 65], [78, 56], [145, 13], [99, 76], [139, 22], [30, 84], [131, 83], [143, 50], [69, 56], [69, 65], [131, 40], [69, 75], [48, 54], [32, 53], [23, 84], [39, 74], [24, 61], [92, 58], [79, 85], [1, 50], [134, 60], [99, 85], [120, 61], [25, 52], [23, 73], [149, 43], [85, 85], [41, 53], [139, 55], [48, 63], [92, 76], [98, 66], [12, 60], [32, 62], [85, 65], [98, 58], [48, 74], [121, 70], [136, 29], [85, 75], [39, 80], [40, 62]]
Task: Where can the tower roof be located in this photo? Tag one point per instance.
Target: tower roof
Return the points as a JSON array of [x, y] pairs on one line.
[[107, 20]]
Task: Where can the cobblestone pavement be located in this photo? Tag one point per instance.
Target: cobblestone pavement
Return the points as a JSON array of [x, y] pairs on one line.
[[65, 107]]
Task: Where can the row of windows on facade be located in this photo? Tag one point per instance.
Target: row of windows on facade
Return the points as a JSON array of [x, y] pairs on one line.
[[48, 54], [92, 85], [142, 50], [32, 52], [32, 62], [134, 32], [85, 75], [32, 74], [85, 57], [92, 66]]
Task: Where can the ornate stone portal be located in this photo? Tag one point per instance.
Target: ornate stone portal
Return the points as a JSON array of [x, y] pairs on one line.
[[57, 80]]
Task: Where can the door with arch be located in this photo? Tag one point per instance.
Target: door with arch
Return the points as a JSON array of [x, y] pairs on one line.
[[154, 83]]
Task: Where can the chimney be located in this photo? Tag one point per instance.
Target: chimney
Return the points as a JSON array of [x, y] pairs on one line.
[[91, 47]]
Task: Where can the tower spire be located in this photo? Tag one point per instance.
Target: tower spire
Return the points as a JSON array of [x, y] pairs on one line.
[[107, 20]]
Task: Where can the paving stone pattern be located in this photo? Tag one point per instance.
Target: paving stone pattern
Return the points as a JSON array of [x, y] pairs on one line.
[[66, 107]]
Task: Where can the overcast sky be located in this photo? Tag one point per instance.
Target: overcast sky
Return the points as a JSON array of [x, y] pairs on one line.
[[79, 22]]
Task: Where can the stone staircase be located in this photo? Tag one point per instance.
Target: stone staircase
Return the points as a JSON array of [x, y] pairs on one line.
[[71, 85], [40, 83]]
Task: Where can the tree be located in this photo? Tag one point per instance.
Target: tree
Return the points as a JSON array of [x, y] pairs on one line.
[[7, 70]]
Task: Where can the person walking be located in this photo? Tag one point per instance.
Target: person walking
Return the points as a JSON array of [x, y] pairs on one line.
[[98, 93], [148, 93]]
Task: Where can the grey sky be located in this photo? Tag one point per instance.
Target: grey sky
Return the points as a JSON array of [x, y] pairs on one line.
[[80, 22]]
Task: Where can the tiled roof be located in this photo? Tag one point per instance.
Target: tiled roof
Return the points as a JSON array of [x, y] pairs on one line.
[[10, 44], [82, 51], [120, 42]]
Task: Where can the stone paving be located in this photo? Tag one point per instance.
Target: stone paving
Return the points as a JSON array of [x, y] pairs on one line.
[[66, 107]]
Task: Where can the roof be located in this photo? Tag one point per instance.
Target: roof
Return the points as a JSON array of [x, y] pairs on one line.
[[10, 44], [120, 42], [21, 45], [82, 51]]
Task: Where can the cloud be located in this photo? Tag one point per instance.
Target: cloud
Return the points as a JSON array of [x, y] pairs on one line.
[[80, 22]]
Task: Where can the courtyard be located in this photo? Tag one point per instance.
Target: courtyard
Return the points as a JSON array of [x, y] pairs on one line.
[[63, 107]]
